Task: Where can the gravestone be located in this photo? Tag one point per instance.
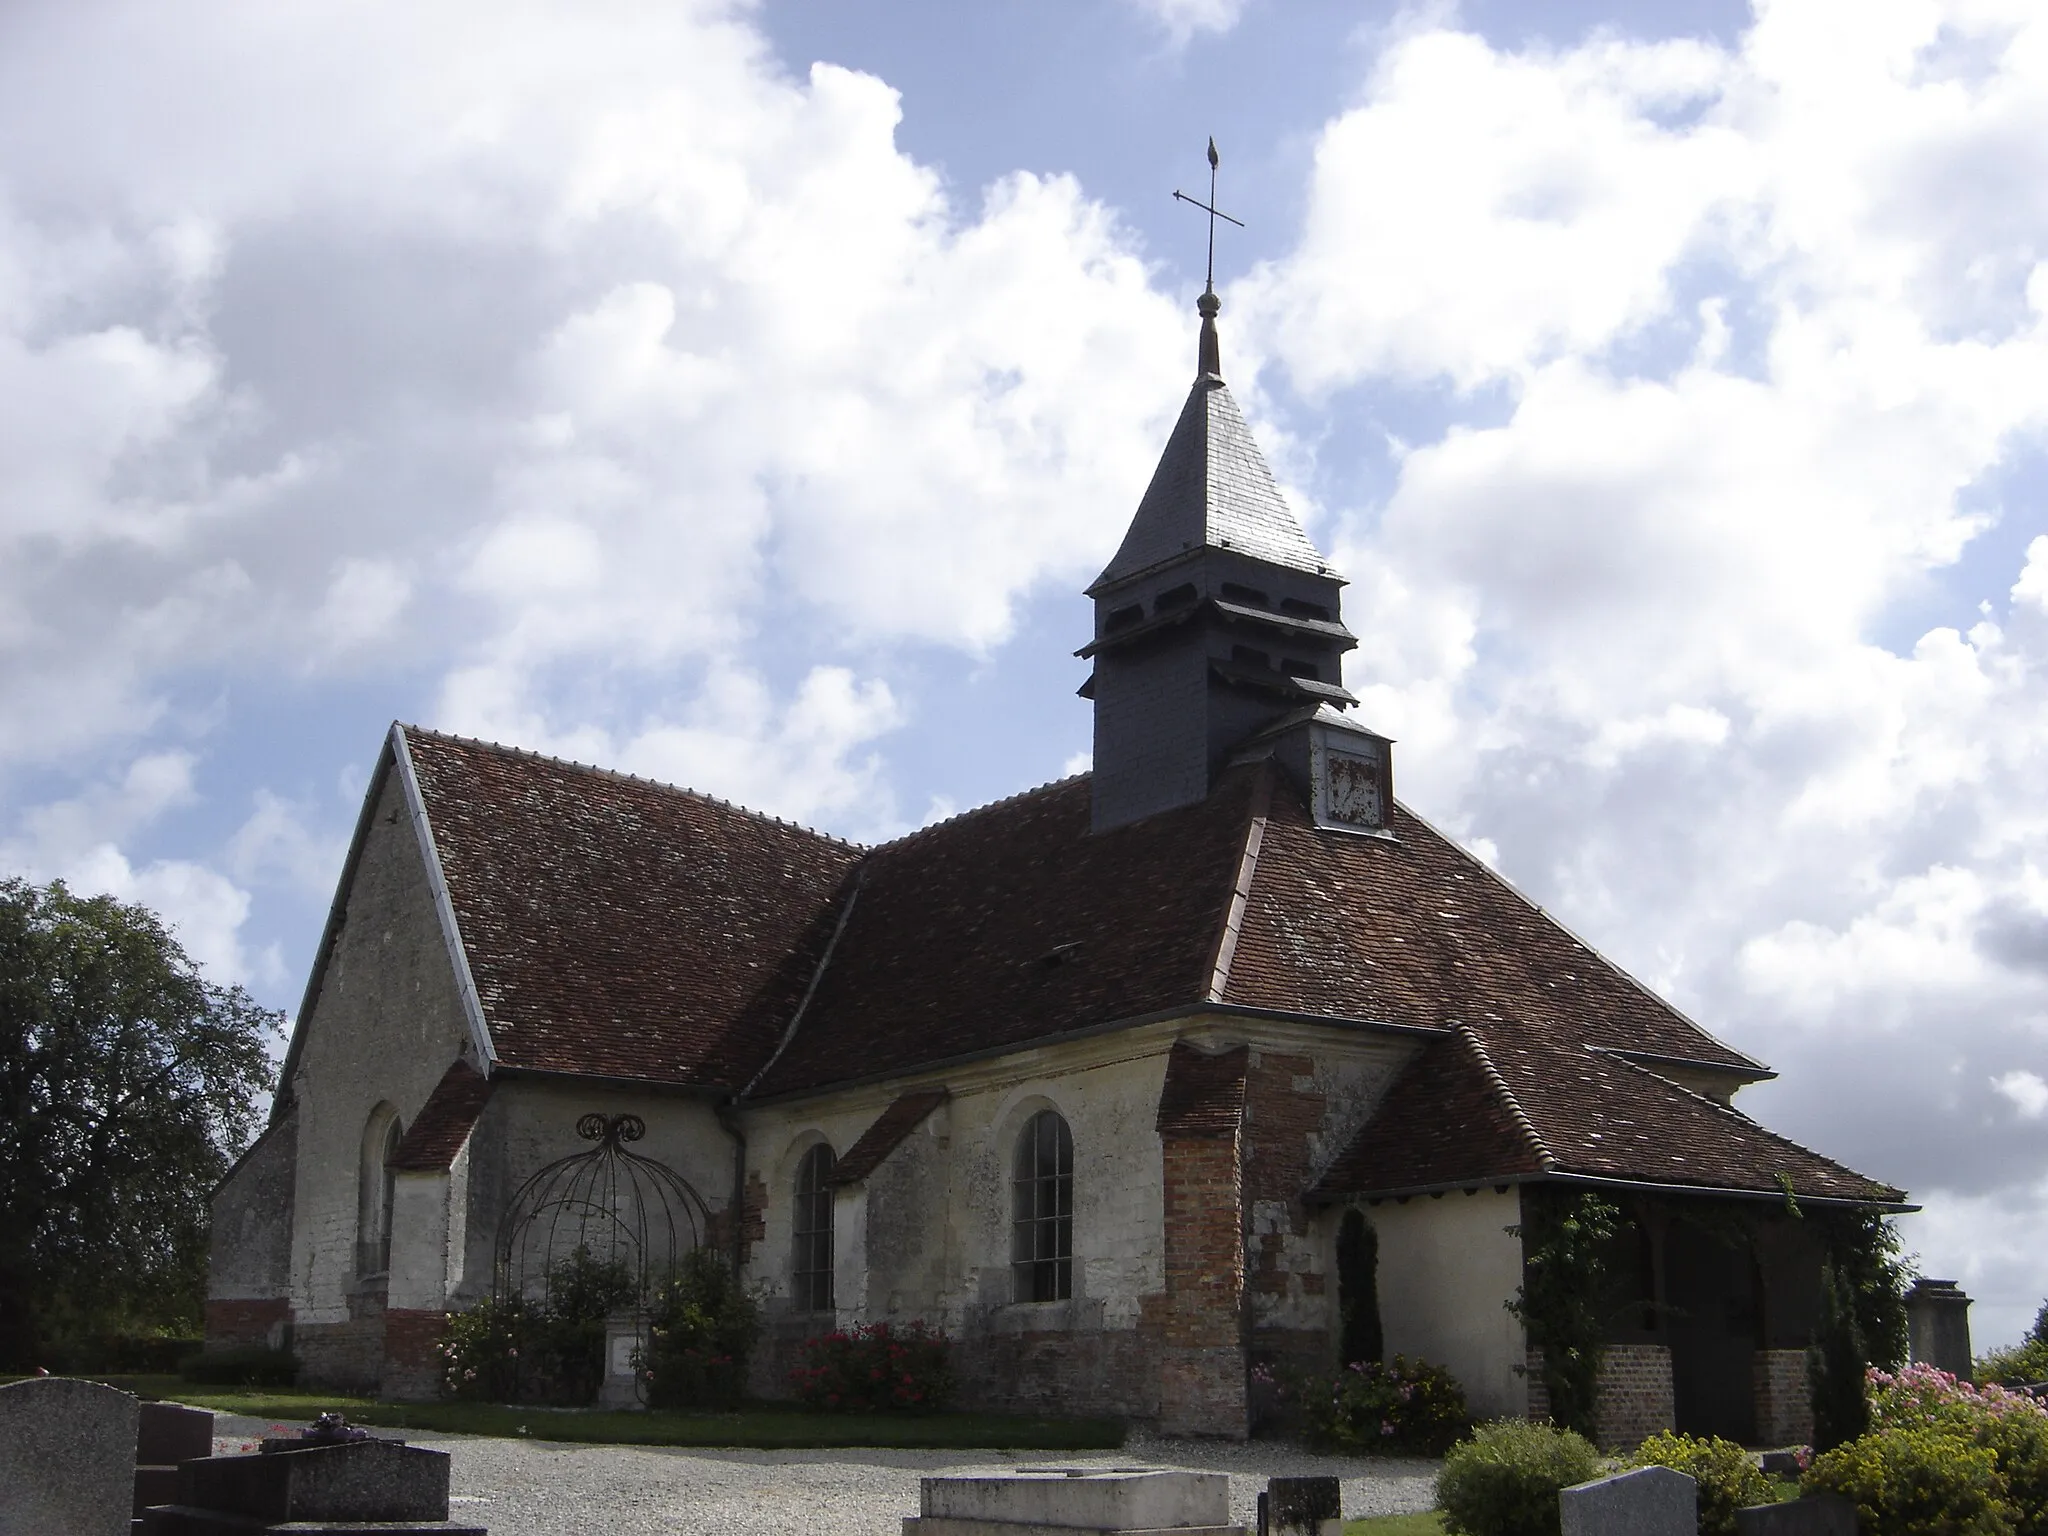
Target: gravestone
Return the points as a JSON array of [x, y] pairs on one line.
[[1817, 1514], [1938, 1326], [67, 1458], [1301, 1506], [1102, 1500], [168, 1434], [1779, 1464], [378, 1483], [1650, 1501]]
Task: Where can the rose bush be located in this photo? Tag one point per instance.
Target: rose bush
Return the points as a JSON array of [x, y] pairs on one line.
[[876, 1366], [1407, 1408]]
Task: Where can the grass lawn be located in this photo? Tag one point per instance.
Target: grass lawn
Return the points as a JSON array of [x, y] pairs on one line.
[[765, 1428], [1428, 1523]]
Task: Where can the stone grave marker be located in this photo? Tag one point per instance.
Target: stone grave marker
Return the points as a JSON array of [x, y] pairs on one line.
[[1099, 1500], [1650, 1501], [67, 1458], [394, 1488], [169, 1433], [1301, 1506], [1817, 1514]]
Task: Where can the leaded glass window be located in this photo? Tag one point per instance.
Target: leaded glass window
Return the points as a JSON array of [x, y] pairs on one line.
[[811, 1264], [1042, 1211]]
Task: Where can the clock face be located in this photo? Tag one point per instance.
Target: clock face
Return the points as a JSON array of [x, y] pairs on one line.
[[1354, 789]]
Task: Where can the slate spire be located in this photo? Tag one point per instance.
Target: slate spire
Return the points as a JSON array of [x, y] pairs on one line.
[[1215, 620]]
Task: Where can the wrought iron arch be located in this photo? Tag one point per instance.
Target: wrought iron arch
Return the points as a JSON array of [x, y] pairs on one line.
[[616, 1206]]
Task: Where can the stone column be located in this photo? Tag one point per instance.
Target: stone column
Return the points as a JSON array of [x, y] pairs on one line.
[[1938, 1326]]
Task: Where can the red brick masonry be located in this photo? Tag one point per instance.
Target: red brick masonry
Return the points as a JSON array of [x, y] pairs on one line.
[[236, 1324]]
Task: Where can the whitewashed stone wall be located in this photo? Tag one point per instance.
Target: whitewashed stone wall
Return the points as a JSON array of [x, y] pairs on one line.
[[1447, 1268]]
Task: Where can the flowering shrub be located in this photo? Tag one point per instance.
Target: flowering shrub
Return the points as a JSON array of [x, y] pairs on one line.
[[1504, 1481], [876, 1366], [1728, 1480], [480, 1350], [1404, 1408], [512, 1349], [2026, 1361], [700, 1337], [2012, 1426], [1915, 1482]]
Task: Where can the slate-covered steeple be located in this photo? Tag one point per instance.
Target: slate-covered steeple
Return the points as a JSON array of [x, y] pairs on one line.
[[1216, 622]]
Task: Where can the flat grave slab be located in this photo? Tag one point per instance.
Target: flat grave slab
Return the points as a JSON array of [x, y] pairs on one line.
[[1121, 1500], [1815, 1514]]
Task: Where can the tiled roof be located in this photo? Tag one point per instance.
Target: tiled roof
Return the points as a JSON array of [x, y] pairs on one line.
[[1413, 930], [1212, 488], [444, 1122], [1203, 1096], [1013, 923], [886, 1134], [620, 928], [1503, 1103]]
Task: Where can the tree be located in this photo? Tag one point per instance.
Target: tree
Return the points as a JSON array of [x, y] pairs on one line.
[[127, 1083]]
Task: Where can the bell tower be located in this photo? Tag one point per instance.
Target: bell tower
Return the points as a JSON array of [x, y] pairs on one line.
[[1217, 621]]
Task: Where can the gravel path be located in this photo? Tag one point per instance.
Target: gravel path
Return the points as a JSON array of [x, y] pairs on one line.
[[539, 1488]]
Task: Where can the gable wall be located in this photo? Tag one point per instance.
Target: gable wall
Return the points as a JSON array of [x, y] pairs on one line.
[[249, 1243], [386, 1024]]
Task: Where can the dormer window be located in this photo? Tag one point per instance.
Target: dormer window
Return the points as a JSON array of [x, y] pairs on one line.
[[1237, 592], [1178, 597], [1124, 618], [1353, 777]]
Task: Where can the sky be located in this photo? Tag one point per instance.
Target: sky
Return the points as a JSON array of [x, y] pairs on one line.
[[741, 395]]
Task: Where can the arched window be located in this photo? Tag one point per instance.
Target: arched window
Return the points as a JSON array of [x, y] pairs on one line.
[[376, 1185], [1042, 1211], [810, 1269]]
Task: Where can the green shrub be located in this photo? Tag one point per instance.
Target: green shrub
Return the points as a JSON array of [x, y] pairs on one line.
[[511, 1349], [1728, 1480], [1504, 1481], [1566, 1238], [1836, 1365], [1915, 1482], [2023, 1363], [2020, 1443], [700, 1338], [876, 1366], [249, 1366], [1406, 1408]]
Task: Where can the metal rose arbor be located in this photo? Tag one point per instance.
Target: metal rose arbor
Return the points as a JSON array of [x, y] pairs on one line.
[[589, 1241]]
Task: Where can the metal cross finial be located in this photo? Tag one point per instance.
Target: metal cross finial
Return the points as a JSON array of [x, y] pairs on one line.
[[1214, 213]]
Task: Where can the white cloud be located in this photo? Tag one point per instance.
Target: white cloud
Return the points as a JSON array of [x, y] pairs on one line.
[[1735, 352], [1183, 19], [564, 344], [2028, 1092]]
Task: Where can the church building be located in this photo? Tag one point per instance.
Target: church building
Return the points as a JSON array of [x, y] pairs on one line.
[[1217, 1057]]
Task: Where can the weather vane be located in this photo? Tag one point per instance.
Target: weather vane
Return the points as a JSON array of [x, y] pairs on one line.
[[1212, 210]]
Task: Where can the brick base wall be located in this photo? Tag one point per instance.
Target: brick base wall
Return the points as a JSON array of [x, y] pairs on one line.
[[1198, 1323], [1784, 1406], [412, 1354], [263, 1322], [1635, 1400]]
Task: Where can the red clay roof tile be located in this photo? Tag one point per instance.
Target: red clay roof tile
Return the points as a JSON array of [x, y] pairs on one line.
[[1203, 1096], [444, 1122], [886, 1134]]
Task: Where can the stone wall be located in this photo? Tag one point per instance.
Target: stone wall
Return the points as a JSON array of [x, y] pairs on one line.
[[1784, 1405], [249, 1248], [385, 1025], [412, 1354]]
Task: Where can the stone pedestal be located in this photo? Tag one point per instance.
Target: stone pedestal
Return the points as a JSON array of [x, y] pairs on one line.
[[1105, 1501], [1938, 1326], [624, 1334]]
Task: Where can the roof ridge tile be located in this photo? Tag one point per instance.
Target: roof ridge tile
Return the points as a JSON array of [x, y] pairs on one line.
[[620, 775], [1470, 1036]]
